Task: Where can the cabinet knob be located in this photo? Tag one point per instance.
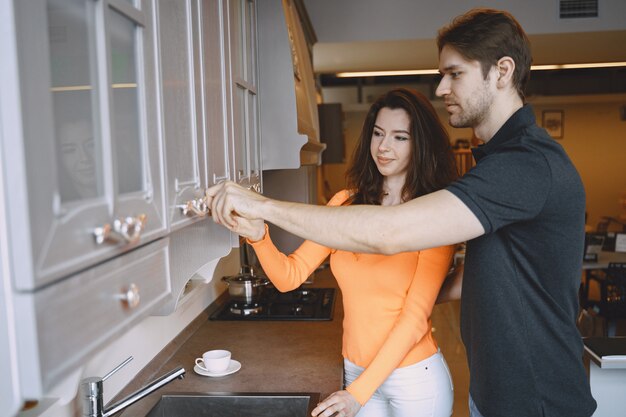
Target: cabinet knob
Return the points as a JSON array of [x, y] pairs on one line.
[[126, 230], [196, 207], [129, 296]]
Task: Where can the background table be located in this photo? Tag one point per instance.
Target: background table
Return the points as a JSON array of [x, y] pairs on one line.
[[607, 378]]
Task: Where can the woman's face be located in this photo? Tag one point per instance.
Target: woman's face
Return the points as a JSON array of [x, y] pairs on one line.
[[391, 142]]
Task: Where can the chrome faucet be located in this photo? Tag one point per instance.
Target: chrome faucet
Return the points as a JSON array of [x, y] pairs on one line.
[[91, 392]]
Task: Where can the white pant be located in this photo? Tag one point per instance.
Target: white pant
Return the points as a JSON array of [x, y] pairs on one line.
[[421, 390]]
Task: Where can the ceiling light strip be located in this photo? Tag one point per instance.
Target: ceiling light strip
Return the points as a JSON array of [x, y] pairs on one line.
[[434, 71], [386, 73]]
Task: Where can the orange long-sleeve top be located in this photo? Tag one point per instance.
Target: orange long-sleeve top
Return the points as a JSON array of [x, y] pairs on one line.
[[387, 301]]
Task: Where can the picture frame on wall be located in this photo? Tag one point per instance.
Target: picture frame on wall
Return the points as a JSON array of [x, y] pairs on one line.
[[552, 121]]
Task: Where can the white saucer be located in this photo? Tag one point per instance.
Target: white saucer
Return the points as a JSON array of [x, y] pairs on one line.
[[233, 367]]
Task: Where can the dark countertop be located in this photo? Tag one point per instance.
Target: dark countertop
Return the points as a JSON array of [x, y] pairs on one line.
[[276, 356]]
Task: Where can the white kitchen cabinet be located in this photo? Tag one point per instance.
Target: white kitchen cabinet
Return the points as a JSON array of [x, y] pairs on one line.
[[214, 87], [182, 95], [193, 90], [114, 116], [84, 137], [63, 324], [10, 400], [243, 84], [83, 199]]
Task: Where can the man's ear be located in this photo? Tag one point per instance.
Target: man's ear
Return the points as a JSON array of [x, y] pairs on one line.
[[505, 68]]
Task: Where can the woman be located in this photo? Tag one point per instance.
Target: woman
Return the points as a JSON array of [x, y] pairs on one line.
[[392, 365]]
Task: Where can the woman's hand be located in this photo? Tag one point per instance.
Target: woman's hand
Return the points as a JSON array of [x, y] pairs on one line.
[[341, 402], [253, 230]]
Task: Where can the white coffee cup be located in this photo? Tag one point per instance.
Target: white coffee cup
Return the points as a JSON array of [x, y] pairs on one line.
[[214, 360]]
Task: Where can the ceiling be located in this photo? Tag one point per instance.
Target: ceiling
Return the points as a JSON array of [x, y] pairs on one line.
[[368, 35]]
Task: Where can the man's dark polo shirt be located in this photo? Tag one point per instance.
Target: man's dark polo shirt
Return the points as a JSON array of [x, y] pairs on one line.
[[521, 279]]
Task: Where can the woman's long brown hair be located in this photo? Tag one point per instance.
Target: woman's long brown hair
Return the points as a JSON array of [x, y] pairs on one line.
[[432, 165]]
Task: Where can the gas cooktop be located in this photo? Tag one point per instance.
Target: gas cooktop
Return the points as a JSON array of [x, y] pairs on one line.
[[299, 304]]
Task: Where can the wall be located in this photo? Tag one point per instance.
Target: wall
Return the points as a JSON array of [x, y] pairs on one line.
[[594, 138]]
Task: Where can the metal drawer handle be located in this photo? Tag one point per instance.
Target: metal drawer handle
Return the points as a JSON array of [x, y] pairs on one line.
[[123, 230], [197, 207], [129, 296]]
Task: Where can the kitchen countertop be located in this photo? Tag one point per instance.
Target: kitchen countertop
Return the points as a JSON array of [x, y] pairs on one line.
[[276, 356]]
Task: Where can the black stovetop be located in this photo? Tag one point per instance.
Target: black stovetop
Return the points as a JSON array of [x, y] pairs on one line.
[[299, 304]]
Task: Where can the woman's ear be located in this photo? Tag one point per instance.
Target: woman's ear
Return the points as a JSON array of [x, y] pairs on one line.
[[505, 67]]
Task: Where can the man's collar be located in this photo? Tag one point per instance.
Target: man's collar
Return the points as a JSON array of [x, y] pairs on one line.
[[523, 117]]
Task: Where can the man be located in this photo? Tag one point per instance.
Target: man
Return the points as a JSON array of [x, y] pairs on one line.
[[521, 209]]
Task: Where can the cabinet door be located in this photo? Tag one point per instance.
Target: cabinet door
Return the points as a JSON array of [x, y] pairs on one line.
[[243, 84], [212, 56], [183, 135], [88, 131], [133, 108]]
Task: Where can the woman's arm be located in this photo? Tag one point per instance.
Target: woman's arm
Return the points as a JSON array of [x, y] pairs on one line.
[[288, 272]]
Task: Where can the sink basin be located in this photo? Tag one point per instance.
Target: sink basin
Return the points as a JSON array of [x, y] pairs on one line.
[[236, 404]]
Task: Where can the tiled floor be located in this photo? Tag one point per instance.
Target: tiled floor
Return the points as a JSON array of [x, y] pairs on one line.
[[445, 319]]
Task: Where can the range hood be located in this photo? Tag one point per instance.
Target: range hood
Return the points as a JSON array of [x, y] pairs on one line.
[[289, 121]]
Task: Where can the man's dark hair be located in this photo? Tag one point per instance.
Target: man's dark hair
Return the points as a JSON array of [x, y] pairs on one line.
[[486, 35]]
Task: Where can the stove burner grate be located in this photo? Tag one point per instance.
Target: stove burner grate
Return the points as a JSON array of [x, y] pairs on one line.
[[243, 309], [299, 304]]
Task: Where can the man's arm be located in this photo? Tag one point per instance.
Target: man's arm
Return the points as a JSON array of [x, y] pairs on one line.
[[436, 219]]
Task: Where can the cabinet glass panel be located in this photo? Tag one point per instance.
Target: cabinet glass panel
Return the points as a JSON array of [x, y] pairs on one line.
[[125, 106], [74, 88]]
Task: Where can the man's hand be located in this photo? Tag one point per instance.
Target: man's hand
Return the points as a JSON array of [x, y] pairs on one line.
[[229, 200], [341, 402], [254, 230]]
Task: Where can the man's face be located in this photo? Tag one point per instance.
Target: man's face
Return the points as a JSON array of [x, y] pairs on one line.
[[467, 95]]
